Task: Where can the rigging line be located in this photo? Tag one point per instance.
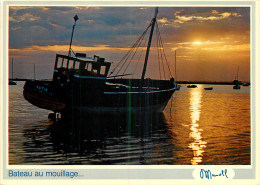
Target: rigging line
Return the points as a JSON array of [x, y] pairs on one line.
[[138, 42], [160, 46], [126, 55], [73, 52], [126, 58], [158, 38], [162, 62], [140, 53], [133, 54], [145, 36], [165, 58], [164, 51], [158, 54], [131, 58], [130, 50]]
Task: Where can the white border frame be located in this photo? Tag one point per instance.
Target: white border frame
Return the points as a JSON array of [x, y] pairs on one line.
[[135, 172]]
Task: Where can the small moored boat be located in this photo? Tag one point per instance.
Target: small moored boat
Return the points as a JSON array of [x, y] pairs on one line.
[[208, 88], [11, 82], [236, 82], [192, 86], [245, 84]]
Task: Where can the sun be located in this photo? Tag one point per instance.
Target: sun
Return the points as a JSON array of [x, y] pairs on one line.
[[197, 43]]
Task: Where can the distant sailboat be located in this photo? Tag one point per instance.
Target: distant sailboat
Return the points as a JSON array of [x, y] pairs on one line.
[[178, 86], [208, 88], [34, 71], [236, 82], [10, 81]]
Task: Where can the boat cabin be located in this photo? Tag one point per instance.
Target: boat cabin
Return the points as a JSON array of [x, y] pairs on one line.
[[80, 66]]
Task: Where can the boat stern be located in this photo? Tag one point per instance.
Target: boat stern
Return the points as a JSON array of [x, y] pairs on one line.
[[42, 95]]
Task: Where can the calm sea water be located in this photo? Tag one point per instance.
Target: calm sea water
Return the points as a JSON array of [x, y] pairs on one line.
[[197, 127]]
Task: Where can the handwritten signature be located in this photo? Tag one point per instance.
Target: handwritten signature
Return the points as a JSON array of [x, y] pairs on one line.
[[208, 175]]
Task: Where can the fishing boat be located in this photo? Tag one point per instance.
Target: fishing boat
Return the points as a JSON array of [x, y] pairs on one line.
[[11, 82], [81, 82]]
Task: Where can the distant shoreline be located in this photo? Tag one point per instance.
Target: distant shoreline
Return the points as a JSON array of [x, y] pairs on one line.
[[210, 83], [178, 82]]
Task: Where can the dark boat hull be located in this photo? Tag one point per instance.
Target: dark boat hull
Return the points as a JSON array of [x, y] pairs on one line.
[[44, 101], [43, 94], [81, 96], [126, 102]]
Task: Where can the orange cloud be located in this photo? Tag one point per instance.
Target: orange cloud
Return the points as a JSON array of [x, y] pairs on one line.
[[225, 14], [24, 17], [20, 7], [88, 7], [163, 20], [227, 47], [91, 21], [217, 16], [214, 46], [66, 47]]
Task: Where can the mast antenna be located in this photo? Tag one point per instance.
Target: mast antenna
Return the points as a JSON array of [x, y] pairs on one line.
[[175, 66], [34, 71], [75, 19], [12, 68]]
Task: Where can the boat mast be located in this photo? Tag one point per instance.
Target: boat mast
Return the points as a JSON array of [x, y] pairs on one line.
[[75, 19], [12, 68], [175, 66], [34, 71], [237, 73], [148, 46]]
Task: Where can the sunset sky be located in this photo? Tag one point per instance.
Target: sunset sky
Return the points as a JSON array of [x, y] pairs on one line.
[[211, 42]]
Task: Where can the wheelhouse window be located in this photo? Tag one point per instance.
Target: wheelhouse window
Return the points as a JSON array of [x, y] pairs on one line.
[[70, 64], [103, 70], [60, 63], [76, 65], [96, 67]]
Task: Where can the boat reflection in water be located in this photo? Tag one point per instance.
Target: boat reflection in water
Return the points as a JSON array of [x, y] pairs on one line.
[[197, 145], [121, 139]]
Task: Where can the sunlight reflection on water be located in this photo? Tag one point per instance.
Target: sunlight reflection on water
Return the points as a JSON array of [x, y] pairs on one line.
[[195, 109]]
